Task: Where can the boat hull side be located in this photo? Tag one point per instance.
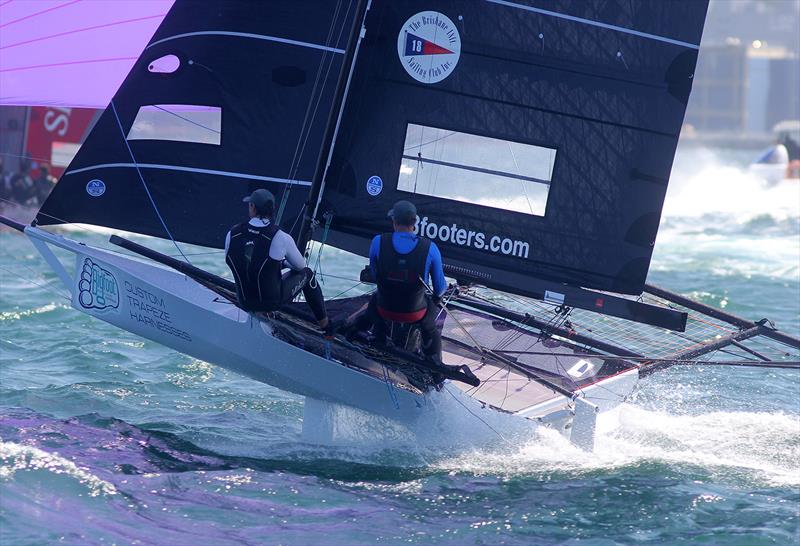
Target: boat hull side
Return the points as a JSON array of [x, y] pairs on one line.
[[173, 310]]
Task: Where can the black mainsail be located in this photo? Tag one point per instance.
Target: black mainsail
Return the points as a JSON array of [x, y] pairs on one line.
[[228, 97], [536, 138]]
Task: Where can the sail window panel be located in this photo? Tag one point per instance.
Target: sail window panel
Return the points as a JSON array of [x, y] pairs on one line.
[[474, 169], [179, 123]]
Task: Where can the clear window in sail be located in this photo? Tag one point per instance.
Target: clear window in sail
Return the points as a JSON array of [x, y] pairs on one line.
[[178, 122], [475, 169]]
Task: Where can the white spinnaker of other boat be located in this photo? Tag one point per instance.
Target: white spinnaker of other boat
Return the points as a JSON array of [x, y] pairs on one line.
[[779, 161], [772, 164]]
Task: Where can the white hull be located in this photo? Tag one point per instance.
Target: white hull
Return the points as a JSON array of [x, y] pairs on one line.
[[170, 308]]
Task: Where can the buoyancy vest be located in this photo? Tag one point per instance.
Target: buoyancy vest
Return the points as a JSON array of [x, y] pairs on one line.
[[257, 276], [401, 292]]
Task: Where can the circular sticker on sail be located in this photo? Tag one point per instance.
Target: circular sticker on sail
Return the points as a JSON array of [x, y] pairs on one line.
[[429, 46], [374, 185], [96, 187]]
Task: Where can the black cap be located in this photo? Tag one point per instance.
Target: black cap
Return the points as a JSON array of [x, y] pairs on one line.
[[262, 200], [404, 213]]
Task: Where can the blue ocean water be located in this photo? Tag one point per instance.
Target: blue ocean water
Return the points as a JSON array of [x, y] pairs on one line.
[[107, 438]]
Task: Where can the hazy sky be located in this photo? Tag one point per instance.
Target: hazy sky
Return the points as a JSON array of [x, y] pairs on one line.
[[776, 22]]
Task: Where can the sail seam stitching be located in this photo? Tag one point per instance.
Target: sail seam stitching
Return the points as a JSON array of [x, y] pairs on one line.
[[248, 35], [595, 23]]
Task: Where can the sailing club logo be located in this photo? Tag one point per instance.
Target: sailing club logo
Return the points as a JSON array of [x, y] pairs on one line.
[[97, 287], [96, 187], [429, 46], [374, 185]]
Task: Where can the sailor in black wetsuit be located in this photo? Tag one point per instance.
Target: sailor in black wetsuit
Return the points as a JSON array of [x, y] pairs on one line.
[[257, 251], [401, 263]]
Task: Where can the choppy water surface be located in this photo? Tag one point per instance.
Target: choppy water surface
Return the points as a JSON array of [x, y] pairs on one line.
[[108, 438]]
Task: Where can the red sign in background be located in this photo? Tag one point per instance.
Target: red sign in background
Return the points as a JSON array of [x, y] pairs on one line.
[[55, 134]]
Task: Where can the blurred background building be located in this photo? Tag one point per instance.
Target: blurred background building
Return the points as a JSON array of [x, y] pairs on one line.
[[748, 73]]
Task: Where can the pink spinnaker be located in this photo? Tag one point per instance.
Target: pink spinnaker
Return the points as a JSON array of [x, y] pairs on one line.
[[71, 53]]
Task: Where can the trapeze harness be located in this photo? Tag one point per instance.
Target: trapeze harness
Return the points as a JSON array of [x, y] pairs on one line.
[[401, 293], [258, 277]]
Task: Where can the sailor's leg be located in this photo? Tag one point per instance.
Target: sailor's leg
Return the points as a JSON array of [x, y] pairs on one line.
[[431, 338], [312, 292], [294, 282], [378, 324]]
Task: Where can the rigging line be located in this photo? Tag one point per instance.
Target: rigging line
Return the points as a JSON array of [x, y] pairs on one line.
[[141, 177], [338, 277], [86, 227], [514, 333], [419, 156], [305, 126], [508, 380], [38, 274], [41, 159], [478, 417], [444, 303], [642, 358], [485, 382], [43, 286], [318, 265], [573, 383], [296, 218], [94, 230], [319, 97], [390, 387], [342, 293], [524, 187], [187, 119], [197, 253], [429, 142]]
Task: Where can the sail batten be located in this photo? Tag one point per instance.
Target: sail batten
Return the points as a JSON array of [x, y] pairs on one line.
[[183, 168], [598, 24], [276, 39], [594, 96], [225, 99]]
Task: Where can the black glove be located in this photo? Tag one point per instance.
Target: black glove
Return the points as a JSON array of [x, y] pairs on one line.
[[366, 275], [437, 300]]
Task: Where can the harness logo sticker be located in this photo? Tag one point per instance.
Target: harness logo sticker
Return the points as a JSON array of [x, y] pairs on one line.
[[96, 187], [429, 46], [374, 185], [97, 287]]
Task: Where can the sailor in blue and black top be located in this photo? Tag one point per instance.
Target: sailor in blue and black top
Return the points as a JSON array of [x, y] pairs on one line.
[[403, 263]]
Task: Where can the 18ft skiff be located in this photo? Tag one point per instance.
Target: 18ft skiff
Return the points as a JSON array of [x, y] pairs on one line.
[[536, 141]]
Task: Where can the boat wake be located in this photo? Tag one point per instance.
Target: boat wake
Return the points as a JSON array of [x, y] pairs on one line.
[[722, 446], [722, 219], [747, 447], [725, 196]]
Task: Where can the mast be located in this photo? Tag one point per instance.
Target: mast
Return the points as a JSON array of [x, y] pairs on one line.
[[332, 126]]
